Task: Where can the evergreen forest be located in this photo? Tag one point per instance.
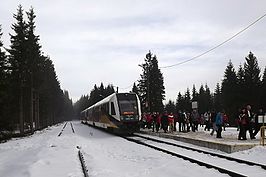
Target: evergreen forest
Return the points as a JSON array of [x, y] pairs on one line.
[[238, 88], [30, 93]]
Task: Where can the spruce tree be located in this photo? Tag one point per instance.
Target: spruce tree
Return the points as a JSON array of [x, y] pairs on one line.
[[170, 107], [240, 95], [81, 104], [101, 92], [3, 59], [263, 91], [180, 103], [151, 85], [3, 66], [207, 99], [194, 93], [217, 100], [18, 65], [201, 100], [3, 85], [252, 79], [187, 100], [135, 89], [229, 90], [109, 90], [33, 61]]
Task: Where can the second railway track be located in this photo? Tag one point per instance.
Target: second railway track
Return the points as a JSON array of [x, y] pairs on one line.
[[244, 168]]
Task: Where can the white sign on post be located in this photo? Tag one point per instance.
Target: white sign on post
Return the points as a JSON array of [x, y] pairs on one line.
[[194, 105], [261, 119]]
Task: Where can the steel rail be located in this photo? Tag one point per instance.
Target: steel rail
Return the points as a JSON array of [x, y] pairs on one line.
[[205, 152], [222, 170], [62, 129]]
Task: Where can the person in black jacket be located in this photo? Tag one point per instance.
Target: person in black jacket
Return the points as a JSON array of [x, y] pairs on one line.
[[257, 124], [180, 120], [250, 121], [164, 121], [213, 118]]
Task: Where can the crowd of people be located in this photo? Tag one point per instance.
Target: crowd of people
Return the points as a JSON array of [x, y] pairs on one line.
[[212, 121], [248, 122]]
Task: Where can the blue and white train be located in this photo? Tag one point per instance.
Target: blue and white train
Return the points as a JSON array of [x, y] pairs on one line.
[[119, 113]]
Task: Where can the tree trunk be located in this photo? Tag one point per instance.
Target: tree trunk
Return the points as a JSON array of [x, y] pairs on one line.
[[31, 109], [21, 119]]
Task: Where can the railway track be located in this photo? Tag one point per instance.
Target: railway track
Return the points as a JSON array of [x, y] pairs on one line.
[[204, 152], [62, 129], [72, 127], [82, 162], [80, 154], [188, 153]]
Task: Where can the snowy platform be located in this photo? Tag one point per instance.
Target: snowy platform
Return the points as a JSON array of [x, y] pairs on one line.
[[229, 143]]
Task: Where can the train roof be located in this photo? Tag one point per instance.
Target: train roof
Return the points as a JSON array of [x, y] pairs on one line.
[[105, 100]]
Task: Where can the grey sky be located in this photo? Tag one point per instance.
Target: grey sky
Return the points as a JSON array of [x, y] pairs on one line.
[[104, 41]]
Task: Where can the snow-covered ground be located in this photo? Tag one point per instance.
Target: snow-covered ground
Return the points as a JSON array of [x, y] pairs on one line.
[[44, 154]]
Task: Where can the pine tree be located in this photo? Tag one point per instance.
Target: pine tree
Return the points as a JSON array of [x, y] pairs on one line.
[[33, 61], [170, 107], [201, 100], [3, 86], [109, 90], [187, 100], [101, 92], [252, 79], [229, 89], [208, 98], [217, 98], [263, 90], [151, 85], [194, 93], [240, 95], [18, 65], [180, 103], [3, 59], [81, 104], [68, 106], [135, 89]]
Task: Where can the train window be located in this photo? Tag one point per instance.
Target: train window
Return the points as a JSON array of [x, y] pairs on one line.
[[107, 107], [127, 104], [113, 109]]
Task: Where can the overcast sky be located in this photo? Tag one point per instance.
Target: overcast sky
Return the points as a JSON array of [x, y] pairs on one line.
[[105, 40]]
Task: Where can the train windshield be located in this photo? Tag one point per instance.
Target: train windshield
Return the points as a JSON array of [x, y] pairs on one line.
[[128, 104]]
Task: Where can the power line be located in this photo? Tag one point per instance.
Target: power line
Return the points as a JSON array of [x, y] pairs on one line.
[[219, 45], [204, 53]]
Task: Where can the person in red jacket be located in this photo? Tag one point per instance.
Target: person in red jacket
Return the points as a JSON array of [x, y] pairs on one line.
[[149, 120], [225, 121], [243, 123], [171, 122]]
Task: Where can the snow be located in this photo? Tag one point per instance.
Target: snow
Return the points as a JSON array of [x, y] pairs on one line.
[[45, 154]]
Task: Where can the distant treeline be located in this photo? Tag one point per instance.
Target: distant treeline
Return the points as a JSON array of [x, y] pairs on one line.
[[238, 88], [30, 93], [96, 94]]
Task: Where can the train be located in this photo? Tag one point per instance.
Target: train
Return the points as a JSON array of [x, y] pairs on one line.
[[117, 113]]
